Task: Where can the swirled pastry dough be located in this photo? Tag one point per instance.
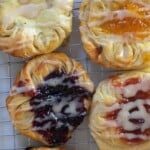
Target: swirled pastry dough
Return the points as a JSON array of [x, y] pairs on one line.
[[33, 27], [116, 33], [49, 98], [120, 115]]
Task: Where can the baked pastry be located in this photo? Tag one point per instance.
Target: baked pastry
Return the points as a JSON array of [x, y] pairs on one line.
[[29, 27], [115, 33], [120, 114], [50, 98], [45, 148]]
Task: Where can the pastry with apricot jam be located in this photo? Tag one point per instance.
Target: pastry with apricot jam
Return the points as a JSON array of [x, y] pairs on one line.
[[116, 33]]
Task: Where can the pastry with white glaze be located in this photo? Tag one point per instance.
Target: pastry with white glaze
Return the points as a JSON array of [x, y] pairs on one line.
[[116, 33], [120, 114], [50, 98], [30, 27]]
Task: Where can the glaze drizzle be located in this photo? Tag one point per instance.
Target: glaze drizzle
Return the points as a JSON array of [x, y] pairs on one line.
[[58, 106]]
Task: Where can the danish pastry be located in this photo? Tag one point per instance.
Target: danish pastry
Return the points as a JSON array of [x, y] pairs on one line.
[[115, 33], [120, 114], [30, 27], [49, 98], [45, 148]]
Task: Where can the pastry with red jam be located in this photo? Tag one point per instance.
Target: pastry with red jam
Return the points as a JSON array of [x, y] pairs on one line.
[[120, 113], [50, 98], [116, 33]]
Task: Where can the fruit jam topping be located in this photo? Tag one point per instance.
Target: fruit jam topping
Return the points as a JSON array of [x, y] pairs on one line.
[[58, 106], [128, 17], [132, 113]]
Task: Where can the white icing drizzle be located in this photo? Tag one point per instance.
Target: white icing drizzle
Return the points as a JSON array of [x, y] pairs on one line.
[[28, 10], [17, 90], [48, 124], [36, 20], [71, 109], [113, 107], [59, 106], [46, 118], [43, 128], [132, 89], [57, 81], [124, 116], [25, 43], [44, 103], [110, 15], [106, 14], [31, 10], [131, 136]]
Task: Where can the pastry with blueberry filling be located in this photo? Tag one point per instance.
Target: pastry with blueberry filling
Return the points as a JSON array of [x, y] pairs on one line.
[[116, 33], [33, 27], [50, 98], [120, 113]]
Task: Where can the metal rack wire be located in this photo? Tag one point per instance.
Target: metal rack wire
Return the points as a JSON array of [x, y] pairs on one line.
[[10, 139]]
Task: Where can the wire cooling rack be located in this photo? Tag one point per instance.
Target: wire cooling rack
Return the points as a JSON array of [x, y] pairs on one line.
[[10, 139]]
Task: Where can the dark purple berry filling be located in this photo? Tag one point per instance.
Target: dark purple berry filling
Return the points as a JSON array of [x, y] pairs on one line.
[[58, 106]]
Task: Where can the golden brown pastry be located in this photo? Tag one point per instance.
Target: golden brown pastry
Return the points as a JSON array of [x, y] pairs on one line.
[[33, 27], [120, 114], [116, 33], [45, 148], [49, 98]]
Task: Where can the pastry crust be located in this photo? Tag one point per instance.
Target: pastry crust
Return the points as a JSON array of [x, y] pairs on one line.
[[45, 148], [115, 33], [49, 98], [119, 118], [29, 27]]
